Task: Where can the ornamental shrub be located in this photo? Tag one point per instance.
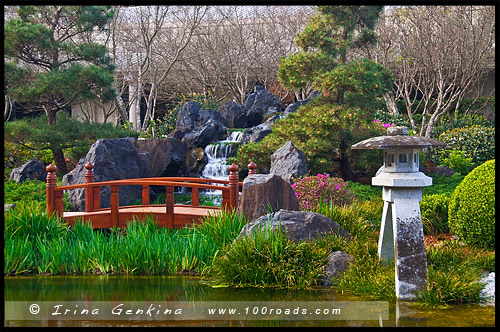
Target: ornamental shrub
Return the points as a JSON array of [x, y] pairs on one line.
[[471, 212], [434, 209], [312, 191], [477, 142], [457, 161]]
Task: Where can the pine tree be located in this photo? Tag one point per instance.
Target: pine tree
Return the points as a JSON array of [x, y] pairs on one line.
[[323, 63], [51, 61]]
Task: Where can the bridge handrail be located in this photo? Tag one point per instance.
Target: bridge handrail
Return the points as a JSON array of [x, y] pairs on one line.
[[92, 190], [145, 181]]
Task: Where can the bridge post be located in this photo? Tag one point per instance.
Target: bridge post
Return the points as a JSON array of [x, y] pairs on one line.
[[233, 186], [170, 206], [115, 206], [89, 191], [49, 189], [251, 168]]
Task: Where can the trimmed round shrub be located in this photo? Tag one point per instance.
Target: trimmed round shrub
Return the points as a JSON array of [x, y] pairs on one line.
[[471, 212]]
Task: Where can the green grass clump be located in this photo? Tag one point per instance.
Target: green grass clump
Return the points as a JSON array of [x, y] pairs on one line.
[[268, 259], [367, 275], [38, 244]]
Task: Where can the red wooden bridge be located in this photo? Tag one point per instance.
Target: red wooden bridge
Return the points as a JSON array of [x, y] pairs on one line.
[[167, 215]]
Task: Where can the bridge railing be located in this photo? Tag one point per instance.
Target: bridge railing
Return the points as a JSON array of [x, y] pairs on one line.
[[229, 188]]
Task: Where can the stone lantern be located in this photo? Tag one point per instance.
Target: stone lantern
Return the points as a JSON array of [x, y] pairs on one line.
[[401, 233]]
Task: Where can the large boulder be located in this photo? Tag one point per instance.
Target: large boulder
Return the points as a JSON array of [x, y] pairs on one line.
[[257, 133], [234, 115], [167, 156], [187, 115], [196, 159], [292, 108], [296, 225], [197, 127], [262, 192], [113, 159], [32, 170], [288, 162], [212, 131], [259, 105]]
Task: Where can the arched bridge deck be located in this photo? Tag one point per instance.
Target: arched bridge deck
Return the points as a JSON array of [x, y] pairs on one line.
[[167, 215]]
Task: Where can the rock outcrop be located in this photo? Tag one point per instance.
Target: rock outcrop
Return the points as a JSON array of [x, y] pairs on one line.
[[296, 225], [288, 162], [32, 170], [113, 159], [265, 192]]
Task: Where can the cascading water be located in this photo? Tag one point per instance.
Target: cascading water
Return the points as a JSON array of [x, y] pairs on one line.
[[217, 154]]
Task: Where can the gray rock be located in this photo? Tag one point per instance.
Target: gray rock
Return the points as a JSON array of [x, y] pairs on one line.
[[167, 156], [259, 104], [257, 133], [212, 131], [338, 262], [32, 170], [288, 162], [296, 225], [196, 159], [292, 108], [187, 115], [262, 192], [8, 207], [234, 115], [113, 159], [442, 170]]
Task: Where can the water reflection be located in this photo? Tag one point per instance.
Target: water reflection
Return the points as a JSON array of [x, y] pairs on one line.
[[189, 288]]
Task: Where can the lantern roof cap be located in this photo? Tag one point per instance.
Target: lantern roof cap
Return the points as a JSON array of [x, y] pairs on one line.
[[398, 138]]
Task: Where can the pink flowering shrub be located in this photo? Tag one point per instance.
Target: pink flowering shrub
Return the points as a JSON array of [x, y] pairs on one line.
[[311, 191], [385, 125]]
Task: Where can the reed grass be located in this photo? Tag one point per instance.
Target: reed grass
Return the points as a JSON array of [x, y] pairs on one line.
[[38, 244]]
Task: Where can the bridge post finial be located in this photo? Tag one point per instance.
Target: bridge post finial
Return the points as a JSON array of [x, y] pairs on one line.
[[233, 186], [89, 191], [51, 184], [252, 168]]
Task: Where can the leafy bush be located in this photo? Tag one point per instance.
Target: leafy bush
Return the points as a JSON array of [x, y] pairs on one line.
[[457, 161], [315, 130], [312, 190], [471, 213], [434, 209], [28, 191], [72, 136], [477, 142], [363, 192]]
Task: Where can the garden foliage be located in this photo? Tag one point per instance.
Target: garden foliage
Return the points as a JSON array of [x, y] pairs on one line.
[[471, 213], [326, 127], [313, 190], [477, 142]]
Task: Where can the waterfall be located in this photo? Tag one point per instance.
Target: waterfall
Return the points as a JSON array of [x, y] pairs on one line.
[[217, 154]]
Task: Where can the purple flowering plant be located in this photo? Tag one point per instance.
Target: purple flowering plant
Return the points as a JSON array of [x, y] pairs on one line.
[[312, 191]]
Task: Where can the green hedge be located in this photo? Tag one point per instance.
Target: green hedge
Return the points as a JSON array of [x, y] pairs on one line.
[[471, 213]]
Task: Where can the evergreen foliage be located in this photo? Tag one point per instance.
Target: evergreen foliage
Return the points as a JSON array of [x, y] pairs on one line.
[[325, 128], [52, 63], [471, 212]]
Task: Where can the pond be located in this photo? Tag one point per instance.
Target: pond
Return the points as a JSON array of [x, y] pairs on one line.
[[179, 290]]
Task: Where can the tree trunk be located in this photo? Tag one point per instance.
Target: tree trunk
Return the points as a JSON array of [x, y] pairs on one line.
[[345, 166], [62, 169]]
